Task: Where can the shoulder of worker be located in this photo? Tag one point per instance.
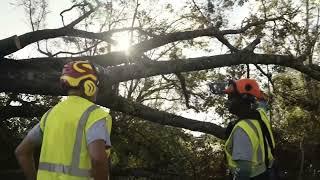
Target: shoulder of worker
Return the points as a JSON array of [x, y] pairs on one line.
[[238, 128], [98, 114], [44, 117]]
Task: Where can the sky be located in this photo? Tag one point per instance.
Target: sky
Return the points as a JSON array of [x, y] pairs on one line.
[[15, 21], [12, 20]]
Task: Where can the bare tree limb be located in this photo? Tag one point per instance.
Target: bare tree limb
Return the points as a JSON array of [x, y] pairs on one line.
[[252, 24], [69, 9], [42, 76], [15, 43], [224, 41], [133, 20], [179, 36], [185, 91], [79, 19], [10, 45], [203, 16], [252, 45], [136, 109], [80, 52], [36, 26], [146, 45], [142, 96], [269, 76]]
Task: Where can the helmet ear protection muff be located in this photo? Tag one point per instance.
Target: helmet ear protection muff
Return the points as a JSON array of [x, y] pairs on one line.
[[89, 87], [245, 97]]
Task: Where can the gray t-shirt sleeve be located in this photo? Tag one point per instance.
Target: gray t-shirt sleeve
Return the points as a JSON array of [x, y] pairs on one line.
[[35, 135], [98, 131], [242, 147]]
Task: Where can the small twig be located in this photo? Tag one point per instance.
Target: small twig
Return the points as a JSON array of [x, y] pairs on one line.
[[142, 96], [42, 52], [167, 50], [80, 52], [85, 15], [69, 9], [249, 25], [158, 98], [219, 36], [37, 28], [264, 8], [183, 87], [204, 17], [133, 20], [268, 75], [248, 71], [185, 91]]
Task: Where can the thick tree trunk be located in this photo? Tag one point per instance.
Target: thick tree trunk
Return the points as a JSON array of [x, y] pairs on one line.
[[42, 77]]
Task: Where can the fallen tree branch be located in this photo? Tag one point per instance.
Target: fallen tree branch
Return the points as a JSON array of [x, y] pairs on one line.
[[156, 41], [123, 105], [42, 77]]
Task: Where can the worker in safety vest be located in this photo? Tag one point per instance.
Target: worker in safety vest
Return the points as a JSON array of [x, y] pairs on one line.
[[250, 145], [75, 133]]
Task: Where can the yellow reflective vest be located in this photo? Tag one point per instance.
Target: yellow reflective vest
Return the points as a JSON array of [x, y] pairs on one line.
[[253, 130], [64, 154]]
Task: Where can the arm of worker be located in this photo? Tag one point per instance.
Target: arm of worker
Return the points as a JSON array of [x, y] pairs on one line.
[[24, 152], [242, 154], [98, 140]]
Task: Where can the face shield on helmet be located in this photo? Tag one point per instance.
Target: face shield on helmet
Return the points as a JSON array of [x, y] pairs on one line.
[[80, 74]]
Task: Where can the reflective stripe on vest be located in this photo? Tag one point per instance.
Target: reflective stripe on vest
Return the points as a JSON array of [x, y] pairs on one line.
[[58, 168], [259, 151], [73, 169]]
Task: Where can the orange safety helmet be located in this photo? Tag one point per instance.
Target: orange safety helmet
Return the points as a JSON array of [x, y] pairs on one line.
[[78, 74], [244, 86]]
